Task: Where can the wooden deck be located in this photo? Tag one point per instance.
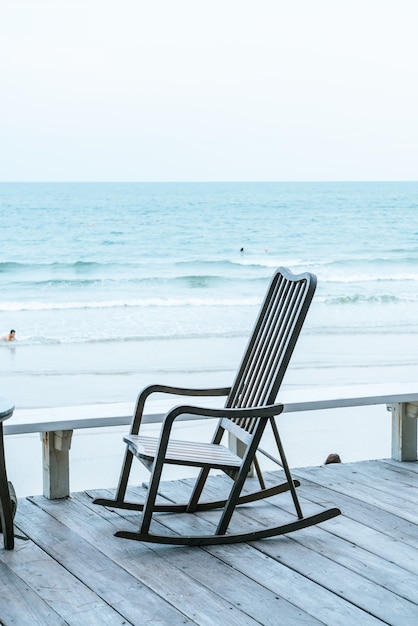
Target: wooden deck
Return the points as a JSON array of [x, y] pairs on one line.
[[359, 568]]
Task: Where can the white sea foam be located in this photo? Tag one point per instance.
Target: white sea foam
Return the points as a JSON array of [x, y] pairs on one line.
[[145, 303]]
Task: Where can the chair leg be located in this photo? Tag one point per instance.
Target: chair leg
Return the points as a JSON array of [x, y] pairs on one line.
[[203, 475], [286, 469], [124, 476], [197, 490], [239, 482], [154, 483], [259, 473]]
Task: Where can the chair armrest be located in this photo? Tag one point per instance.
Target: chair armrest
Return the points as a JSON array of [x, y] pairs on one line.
[[265, 412], [185, 391], [179, 391]]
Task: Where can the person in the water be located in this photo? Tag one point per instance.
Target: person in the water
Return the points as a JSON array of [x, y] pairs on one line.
[[9, 336]]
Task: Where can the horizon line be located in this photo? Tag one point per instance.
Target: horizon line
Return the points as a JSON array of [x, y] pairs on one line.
[[145, 182]]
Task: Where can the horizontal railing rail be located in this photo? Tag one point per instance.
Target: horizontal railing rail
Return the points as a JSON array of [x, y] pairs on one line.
[[56, 425]]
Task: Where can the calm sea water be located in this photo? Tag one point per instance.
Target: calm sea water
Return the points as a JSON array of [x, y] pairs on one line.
[[98, 279]]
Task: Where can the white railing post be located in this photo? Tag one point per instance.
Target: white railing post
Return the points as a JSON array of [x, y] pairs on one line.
[[56, 464], [404, 430]]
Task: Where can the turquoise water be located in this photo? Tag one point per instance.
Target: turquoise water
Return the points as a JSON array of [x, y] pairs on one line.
[[108, 285]]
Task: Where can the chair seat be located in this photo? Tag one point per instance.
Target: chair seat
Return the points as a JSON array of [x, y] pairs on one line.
[[184, 452]]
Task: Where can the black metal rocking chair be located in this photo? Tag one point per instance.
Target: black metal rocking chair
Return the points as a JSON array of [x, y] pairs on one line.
[[249, 407]]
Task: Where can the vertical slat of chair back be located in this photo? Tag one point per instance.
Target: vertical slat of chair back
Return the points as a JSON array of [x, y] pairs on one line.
[[272, 342]]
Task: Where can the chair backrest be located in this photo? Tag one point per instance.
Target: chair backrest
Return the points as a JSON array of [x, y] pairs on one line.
[[272, 342]]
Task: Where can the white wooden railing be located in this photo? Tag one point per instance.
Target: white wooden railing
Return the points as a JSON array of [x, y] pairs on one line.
[[56, 425]]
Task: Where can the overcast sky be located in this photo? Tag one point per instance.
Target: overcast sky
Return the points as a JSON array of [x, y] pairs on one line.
[[167, 90]]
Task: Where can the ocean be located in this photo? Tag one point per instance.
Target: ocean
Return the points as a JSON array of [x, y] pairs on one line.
[[111, 286]]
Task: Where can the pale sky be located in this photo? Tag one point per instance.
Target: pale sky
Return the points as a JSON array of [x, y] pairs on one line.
[[196, 90]]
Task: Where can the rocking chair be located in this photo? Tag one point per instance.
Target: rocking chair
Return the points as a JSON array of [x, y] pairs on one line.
[[249, 407]]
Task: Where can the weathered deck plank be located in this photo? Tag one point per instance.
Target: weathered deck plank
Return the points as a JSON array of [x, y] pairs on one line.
[[252, 598], [392, 525], [147, 563], [49, 577], [358, 568], [281, 577], [385, 568], [18, 602], [391, 592], [380, 494], [383, 478], [111, 585]]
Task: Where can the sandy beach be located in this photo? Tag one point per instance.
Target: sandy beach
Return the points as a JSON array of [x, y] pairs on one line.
[[73, 374]]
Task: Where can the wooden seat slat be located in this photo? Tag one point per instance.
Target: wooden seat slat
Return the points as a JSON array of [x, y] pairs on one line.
[[186, 452]]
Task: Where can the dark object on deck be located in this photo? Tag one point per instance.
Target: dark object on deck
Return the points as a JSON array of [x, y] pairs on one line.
[[249, 408], [332, 458]]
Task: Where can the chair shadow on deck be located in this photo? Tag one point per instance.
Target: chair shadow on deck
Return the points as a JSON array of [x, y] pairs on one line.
[[249, 408]]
